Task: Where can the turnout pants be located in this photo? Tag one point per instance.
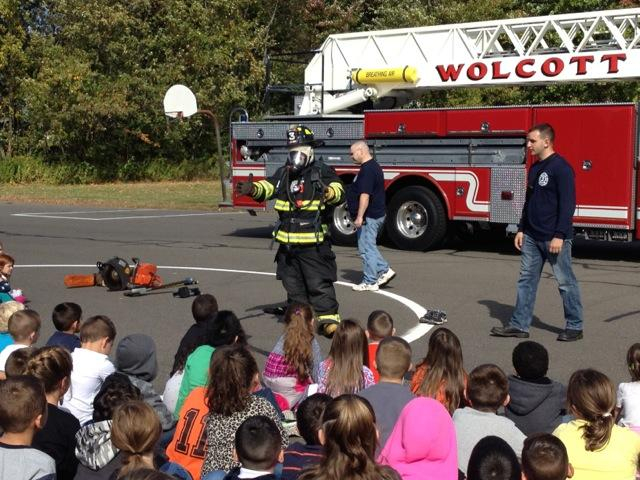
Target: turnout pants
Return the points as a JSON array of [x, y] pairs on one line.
[[307, 274]]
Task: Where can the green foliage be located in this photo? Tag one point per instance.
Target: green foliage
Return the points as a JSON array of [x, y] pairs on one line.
[[21, 169], [82, 81]]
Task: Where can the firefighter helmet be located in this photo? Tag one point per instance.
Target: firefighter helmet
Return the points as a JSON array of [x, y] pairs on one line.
[[300, 135], [300, 141]]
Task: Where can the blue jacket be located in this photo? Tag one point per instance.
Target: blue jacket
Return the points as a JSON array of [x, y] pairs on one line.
[[551, 200]]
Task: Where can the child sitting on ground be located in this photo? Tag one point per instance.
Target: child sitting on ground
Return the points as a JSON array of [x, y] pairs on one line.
[[345, 369], [597, 447], [24, 327], [6, 310], [390, 395], [441, 373], [486, 392], [628, 398], [135, 431], [224, 329], [493, 459], [17, 362], [232, 379], [66, 318], [422, 444], [349, 437], [52, 366], [379, 326], [136, 358], [6, 292], [544, 457], [537, 403], [97, 456], [188, 446], [204, 310], [298, 456], [258, 448], [294, 362], [23, 411], [91, 365]]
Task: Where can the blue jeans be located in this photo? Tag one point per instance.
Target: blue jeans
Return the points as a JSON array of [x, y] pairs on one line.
[[534, 254], [374, 264]]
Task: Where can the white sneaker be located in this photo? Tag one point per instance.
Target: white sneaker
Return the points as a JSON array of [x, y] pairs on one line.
[[386, 277], [365, 287]]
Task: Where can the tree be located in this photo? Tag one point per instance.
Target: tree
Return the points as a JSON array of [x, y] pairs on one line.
[[81, 82]]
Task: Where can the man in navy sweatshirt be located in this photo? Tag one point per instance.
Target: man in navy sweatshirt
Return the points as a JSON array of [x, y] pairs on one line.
[[545, 233]]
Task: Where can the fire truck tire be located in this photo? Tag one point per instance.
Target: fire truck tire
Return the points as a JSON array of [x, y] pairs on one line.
[[343, 232], [416, 219]]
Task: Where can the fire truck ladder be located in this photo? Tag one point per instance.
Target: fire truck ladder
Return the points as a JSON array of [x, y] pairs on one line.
[[351, 68]]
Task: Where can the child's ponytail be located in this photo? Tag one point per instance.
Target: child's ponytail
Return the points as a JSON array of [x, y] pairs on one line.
[[598, 431], [298, 337], [592, 398]]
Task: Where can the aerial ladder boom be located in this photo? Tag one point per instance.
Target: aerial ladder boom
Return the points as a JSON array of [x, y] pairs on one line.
[[351, 68]]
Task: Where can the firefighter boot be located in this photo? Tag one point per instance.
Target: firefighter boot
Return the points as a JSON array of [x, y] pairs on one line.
[[328, 324]]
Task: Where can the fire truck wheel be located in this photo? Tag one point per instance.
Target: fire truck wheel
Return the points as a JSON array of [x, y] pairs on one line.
[[416, 219], [343, 232]]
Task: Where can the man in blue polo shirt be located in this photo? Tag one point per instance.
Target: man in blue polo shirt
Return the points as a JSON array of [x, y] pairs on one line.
[[366, 203], [545, 233]]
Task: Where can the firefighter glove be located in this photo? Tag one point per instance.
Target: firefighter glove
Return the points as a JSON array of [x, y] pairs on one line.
[[244, 188], [328, 194]]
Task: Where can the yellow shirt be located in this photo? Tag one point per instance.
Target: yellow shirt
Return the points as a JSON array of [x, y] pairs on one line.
[[618, 460]]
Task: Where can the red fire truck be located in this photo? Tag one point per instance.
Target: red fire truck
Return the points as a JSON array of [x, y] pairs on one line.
[[466, 168]]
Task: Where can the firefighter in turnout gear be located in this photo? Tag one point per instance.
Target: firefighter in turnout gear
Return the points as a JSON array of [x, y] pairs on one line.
[[303, 190]]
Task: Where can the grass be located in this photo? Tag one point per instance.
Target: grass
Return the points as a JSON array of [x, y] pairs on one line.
[[167, 195]]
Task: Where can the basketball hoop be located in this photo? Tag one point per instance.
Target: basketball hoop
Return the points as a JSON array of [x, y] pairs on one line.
[[180, 102]]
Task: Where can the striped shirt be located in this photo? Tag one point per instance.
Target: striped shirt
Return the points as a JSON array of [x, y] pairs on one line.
[[297, 457], [278, 366]]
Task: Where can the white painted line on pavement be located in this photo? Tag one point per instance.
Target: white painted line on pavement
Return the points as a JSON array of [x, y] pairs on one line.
[[411, 335], [64, 216], [90, 211]]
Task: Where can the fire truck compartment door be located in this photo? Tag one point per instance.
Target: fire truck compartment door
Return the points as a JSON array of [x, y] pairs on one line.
[[508, 191], [599, 142]]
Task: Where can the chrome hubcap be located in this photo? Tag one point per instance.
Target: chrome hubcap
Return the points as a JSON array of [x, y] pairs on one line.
[[342, 220], [412, 219]]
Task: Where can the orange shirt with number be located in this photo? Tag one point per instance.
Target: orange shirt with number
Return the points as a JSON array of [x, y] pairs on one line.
[[188, 446]]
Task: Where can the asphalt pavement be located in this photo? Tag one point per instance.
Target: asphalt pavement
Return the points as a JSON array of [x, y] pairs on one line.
[[231, 256]]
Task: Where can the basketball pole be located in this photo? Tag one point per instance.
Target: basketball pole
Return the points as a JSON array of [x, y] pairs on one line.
[[216, 130]]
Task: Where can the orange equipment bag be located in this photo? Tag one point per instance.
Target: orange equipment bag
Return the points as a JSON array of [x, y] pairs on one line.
[[145, 274]]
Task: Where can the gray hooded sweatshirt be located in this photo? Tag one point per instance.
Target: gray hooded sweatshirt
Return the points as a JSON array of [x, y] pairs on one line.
[[536, 407], [136, 358]]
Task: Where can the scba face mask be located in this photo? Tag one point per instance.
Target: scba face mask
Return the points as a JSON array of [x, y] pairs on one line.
[[299, 158]]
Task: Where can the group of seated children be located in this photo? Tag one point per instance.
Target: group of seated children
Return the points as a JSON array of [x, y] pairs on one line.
[[67, 411]]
